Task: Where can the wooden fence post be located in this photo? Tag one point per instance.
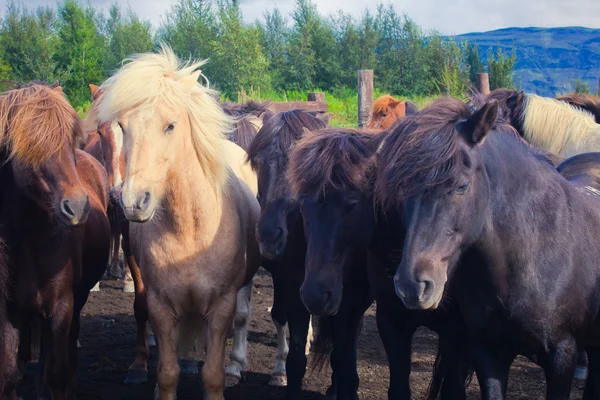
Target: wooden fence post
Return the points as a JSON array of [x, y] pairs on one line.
[[483, 83], [316, 96], [365, 97]]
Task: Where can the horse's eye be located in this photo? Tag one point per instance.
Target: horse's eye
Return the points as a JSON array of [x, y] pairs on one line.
[[350, 206], [99, 133], [462, 188], [384, 115], [170, 128]]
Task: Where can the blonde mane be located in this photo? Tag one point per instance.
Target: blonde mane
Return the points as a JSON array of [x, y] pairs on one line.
[[36, 121], [381, 104], [557, 126], [151, 79]]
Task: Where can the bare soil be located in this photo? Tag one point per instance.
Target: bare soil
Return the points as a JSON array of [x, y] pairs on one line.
[[107, 340]]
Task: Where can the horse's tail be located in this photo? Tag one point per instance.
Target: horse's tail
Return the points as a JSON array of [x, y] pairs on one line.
[[441, 367], [323, 343]]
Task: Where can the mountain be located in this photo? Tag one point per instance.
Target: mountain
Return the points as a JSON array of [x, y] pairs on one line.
[[549, 60]]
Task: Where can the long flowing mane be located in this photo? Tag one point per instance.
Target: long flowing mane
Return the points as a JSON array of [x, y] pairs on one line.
[[153, 79], [282, 131], [331, 159], [421, 153], [36, 121], [556, 125]]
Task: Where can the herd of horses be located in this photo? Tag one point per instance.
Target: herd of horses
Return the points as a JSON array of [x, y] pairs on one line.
[[475, 219]]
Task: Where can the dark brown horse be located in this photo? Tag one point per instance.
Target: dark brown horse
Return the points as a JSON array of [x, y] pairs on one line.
[[352, 249], [55, 231], [249, 118], [514, 239]]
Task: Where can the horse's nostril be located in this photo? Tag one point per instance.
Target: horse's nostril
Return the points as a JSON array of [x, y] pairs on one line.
[[66, 209], [279, 234]]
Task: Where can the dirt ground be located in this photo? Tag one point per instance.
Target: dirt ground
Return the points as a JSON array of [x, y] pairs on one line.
[[107, 339]]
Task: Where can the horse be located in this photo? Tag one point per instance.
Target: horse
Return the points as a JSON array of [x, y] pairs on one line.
[[249, 118], [387, 110], [508, 233], [281, 240], [351, 249], [54, 230], [192, 206], [584, 102], [561, 127]]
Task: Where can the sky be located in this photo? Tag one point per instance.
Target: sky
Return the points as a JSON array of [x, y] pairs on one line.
[[446, 16]]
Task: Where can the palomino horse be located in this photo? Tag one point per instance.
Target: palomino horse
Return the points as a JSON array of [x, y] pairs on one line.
[[192, 205], [55, 231], [387, 110], [281, 240], [508, 233], [351, 251]]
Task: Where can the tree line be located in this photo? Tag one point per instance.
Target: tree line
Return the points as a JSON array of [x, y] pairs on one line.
[[78, 44]]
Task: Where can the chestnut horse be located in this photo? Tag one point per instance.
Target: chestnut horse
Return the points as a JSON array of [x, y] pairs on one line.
[[192, 204], [55, 231], [387, 110]]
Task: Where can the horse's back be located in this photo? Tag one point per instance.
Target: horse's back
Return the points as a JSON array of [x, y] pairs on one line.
[[582, 170]]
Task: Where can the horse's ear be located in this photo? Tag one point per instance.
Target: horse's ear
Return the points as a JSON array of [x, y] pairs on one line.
[[394, 103], [410, 108], [192, 79], [94, 89], [58, 89], [480, 123]]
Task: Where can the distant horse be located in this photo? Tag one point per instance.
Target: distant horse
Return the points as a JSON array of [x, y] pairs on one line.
[[193, 207], [351, 252], [54, 230], [514, 239], [281, 240], [387, 110], [249, 118], [563, 127]]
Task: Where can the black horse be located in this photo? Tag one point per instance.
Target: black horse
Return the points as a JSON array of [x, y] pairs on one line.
[[352, 252], [515, 240]]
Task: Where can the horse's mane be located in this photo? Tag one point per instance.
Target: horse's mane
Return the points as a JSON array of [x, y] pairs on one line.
[[584, 102], [422, 152], [150, 79], [505, 114], [283, 130], [381, 104], [249, 118], [555, 125], [331, 159], [36, 121], [256, 108]]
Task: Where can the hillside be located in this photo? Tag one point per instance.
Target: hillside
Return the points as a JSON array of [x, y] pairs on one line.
[[548, 59]]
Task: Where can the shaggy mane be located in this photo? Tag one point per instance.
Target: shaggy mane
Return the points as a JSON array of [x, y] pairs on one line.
[[381, 104], [556, 126], [249, 118], [36, 121], [332, 159], [583, 102], [421, 153], [154, 79], [282, 131]]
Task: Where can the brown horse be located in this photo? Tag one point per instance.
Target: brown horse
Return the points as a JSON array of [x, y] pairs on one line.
[[387, 110], [193, 205], [55, 231], [249, 118]]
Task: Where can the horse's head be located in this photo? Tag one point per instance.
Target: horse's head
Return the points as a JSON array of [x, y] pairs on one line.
[[162, 112], [432, 168], [39, 132], [268, 154], [386, 111], [330, 174]]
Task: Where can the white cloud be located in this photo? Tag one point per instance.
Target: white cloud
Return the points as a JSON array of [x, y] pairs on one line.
[[447, 16]]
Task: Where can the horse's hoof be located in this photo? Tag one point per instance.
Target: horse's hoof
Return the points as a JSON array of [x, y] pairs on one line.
[[232, 380], [581, 373], [278, 381], [151, 341], [136, 376], [128, 287], [96, 288], [188, 367]]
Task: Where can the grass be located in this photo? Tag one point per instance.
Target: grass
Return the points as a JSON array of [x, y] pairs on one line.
[[342, 103]]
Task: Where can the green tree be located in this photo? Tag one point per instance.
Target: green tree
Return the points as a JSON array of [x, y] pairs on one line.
[[473, 62], [274, 35], [501, 69], [580, 86], [444, 62], [81, 49]]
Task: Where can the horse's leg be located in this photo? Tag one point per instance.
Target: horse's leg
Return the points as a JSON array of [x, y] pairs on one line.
[[298, 320], [218, 324], [238, 358], [492, 369], [452, 351], [582, 365], [9, 367], [166, 330], [396, 332], [309, 337], [347, 326], [278, 376], [138, 371], [559, 365], [592, 386], [56, 347]]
